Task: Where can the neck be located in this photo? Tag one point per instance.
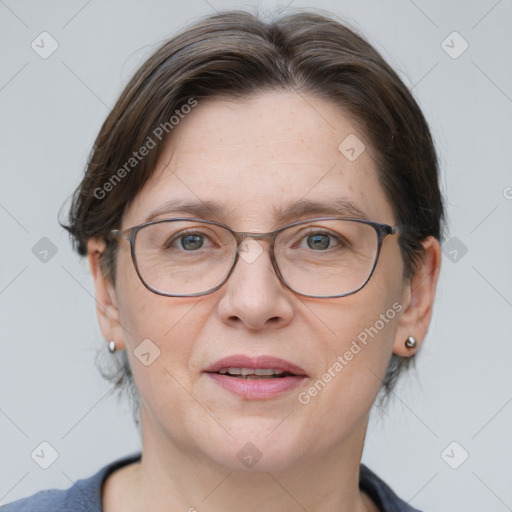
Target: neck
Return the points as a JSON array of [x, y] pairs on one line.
[[171, 477]]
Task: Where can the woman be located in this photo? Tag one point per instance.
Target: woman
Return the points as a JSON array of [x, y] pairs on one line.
[[262, 203]]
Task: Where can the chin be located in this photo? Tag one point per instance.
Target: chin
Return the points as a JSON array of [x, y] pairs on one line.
[[251, 459], [260, 447]]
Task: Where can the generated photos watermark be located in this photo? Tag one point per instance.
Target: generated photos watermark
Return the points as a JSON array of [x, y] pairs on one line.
[[158, 133], [356, 346]]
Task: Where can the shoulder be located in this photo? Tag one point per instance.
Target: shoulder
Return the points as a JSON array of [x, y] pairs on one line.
[[51, 500], [380, 492], [83, 496]]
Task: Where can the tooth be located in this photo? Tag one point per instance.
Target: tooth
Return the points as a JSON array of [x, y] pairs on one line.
[[245, 372], [265, 371]]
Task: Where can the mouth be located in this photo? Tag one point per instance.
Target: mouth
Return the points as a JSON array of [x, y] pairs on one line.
[[254, 373], [254, 378], [243, 366]]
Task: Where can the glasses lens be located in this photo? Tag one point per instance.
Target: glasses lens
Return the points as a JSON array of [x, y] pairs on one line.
[[184, 257], [326, 258]]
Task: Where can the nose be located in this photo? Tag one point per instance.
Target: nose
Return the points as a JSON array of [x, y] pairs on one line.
[[254, 295]]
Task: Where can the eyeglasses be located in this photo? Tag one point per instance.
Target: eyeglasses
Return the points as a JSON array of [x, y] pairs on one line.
[[324, 257]]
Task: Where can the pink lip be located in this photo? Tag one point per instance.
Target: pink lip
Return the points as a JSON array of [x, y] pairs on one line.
[[256, 389], [260, 388]]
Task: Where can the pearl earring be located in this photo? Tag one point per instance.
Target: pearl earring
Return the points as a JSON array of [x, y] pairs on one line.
[[410, 342], [112, 346]]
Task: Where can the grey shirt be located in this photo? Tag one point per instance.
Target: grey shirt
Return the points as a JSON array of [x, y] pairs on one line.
[[85, 495]]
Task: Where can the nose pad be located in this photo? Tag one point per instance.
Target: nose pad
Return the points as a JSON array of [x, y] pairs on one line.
[[250, 250]]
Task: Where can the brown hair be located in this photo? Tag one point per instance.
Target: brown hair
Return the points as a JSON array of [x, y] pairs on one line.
[[234, 54]]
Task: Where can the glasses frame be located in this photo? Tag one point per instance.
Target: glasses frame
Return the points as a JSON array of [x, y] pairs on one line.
[[129, 234]]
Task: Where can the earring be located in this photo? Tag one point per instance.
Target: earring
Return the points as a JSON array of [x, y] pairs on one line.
[[112, 346], [410, 342]]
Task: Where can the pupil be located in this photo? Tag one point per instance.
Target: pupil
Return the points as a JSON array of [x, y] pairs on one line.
[[318, 241], [191, 242]]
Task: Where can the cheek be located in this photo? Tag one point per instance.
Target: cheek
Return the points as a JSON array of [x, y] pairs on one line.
[[159, 331], [355, 365], [364, 339], [143, 314], [359, 346]]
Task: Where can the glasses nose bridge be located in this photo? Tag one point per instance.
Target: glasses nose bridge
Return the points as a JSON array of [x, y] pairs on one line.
[[241, 236]]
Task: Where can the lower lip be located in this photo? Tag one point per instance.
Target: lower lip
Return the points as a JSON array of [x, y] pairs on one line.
[[257, 389]]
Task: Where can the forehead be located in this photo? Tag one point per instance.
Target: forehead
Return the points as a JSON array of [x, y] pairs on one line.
[[255, 158]]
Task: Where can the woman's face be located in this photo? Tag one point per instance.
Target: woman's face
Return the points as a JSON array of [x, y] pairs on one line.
[[255, 158]]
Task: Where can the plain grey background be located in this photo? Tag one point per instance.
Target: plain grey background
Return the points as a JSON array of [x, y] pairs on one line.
[[458, 401]]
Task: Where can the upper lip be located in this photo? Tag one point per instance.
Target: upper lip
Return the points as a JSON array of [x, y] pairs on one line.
[[244, 361]]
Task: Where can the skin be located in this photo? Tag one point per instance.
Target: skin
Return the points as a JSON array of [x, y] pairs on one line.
[[253, 156]]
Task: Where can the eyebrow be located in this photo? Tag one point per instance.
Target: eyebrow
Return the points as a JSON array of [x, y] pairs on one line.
[[333, 207], [200, 209], [208, 209]]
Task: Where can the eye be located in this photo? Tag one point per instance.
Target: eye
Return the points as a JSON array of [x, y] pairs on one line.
[[318, 241], [186, 241], [191, 242]]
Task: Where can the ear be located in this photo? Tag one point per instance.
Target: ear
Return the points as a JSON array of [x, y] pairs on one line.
[[106, 300], [418, 299]]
